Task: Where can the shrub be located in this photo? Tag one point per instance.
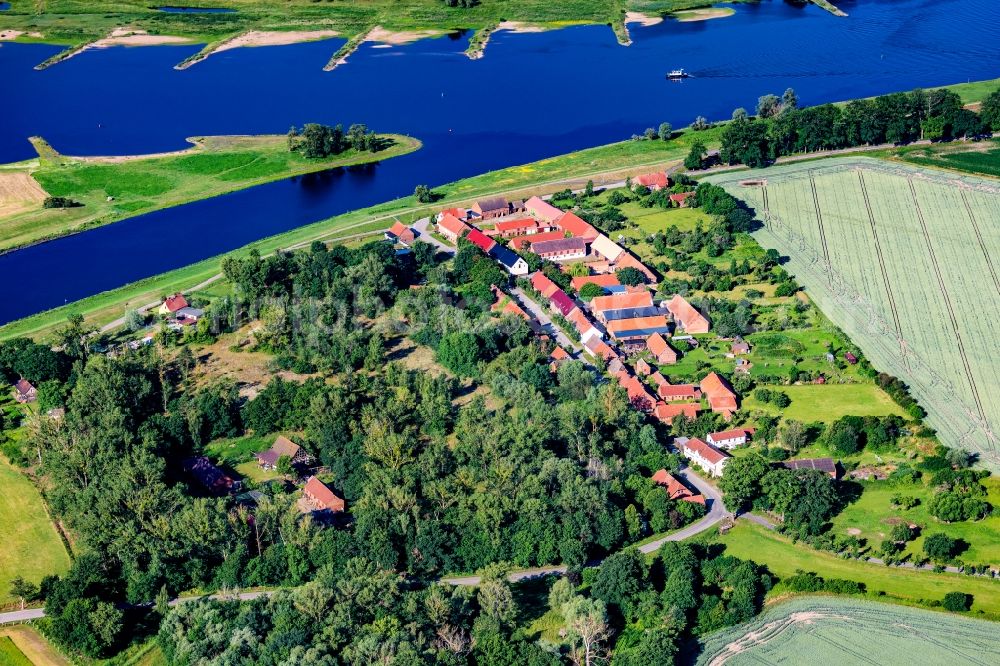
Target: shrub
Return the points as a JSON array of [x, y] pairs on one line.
[[957, 602]]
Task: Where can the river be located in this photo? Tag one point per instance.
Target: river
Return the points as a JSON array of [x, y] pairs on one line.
[[532, 96]]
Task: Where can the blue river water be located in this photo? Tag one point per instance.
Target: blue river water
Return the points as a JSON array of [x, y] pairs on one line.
[[532, 96]]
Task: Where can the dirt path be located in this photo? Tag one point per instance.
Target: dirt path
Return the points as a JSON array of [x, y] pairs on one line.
[[38, 651]]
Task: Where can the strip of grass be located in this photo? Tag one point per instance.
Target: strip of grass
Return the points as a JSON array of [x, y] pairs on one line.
[[35, 647], [828, 402], [113, 189], [608, 163], [10, 655], [31, 546], [751, 541]]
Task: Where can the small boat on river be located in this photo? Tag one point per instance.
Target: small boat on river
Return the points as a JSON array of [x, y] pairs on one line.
[[677, 74]]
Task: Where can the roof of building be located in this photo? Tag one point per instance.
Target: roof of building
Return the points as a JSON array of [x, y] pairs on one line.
[[606, 280], [644, 326], [520, 242], [822, 464], [559, 354], [453, 225], [189, 312], [517, 225], [740, 347], [457, 213], [705, 450], [658, 345], [493, 203], [175, 302], [714, 385], [574, 225], [542, 284], [675, 489], [282, 447], [562, 302], [735, 433], [208, 474], [505, 304], [580, 321], [507, 257], [686, 314], [323, 495], [681, 196], [658, 378], [543, 210], [667, 413], [637, 391], [678, 391], [559, 245], [635, 299], [633, 313], [606, 247], [599, 347], [480, 240], [626, 260], [658, 179], [23, 386], [398, 229]]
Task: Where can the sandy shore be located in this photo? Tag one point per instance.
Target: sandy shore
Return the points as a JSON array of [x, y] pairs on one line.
[[129, 37], [11, 35], [274, 38], [519, 26], [383, 36], [642, 19], [689, 15]]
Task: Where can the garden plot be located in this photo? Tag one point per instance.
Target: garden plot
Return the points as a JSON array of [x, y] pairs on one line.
[[907, 262]]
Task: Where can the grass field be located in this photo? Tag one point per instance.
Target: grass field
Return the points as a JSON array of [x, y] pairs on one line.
[[31, 547], [783, 558], [822, 630], [872, 515], [828, 402], [905, 261], [608, 163], [114, 188], [959, 158], [10, 655], [32, 646]]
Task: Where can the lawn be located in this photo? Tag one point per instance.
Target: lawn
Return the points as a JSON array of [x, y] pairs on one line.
[[32, 549], [10, 655], [872, 515], [113, 189], [959, 158], [829, 402], [31, 645], [783, 558]]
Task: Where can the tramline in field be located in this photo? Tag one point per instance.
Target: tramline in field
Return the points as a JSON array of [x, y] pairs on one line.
[[906, 262]]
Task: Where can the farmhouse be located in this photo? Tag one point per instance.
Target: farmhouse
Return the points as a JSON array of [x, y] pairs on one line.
[[558, 357], [480, 240], [825, 465], [282, 447], [521, 242], [687, 318], [721, 398], [400, 233], [678, 392], [518, 227], [728, 439], [172, 304], [574, 226], [667, 413], [24, 392], [642, 368], [452, 228], [607, 248], [187, 316], [633, 330], [493, 207], [661, 350], [321, 498], [621, 306], [638, 395], [654, 181], [510, 260], [563, 249], [703, 454], [675, 489], [626, 260], [561, 303], [209, 476], [583, 325], [599, 348], [541, 210], [608, 282], [457, 213], [681, 199], [541, 283]]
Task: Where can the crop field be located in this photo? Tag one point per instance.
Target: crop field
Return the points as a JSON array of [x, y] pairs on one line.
[[907, 262], [825, 630]]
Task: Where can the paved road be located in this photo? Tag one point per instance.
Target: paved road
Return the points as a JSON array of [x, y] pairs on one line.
[[424, 234], [542, 315]]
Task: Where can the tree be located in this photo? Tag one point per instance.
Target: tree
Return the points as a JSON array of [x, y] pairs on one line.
[[699, 124], [957, 602], [768, 105], [843, 436], [460, 353], [134, 320], [23, 590], [789, 100], [423, 194], [694, 156], [619, 580], [940, 546], [793, 435], [960, 458], [740, 114], [666, 131], [741, 482], [989, 113], [591, 290], [587, 626], [630, 276], [649, 134]]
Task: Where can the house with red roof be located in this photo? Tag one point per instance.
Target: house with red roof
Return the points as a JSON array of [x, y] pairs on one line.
[[661, 349], [400, 233], [686, 317], [678, 392], [638, 394], [282, 448], [654, 181], [172, 304], [675, 489], [608, 282], [703, 454], [542, 210], [519, 227], [561, 303], [681, 199], [598, 348], [575, 226], [452, 228], [320, 498], [457, 213], [642, 368], [667, 413], [505, 304], [480, 240], [721, 397], [728, 439], [541, 283], [582, 324], [24, 392]]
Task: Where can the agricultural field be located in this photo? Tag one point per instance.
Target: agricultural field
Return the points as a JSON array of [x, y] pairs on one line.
[[825, 630], [904, 260], [31, 547], [981, 159], [23, 645]]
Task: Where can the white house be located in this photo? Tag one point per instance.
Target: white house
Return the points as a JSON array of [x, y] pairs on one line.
[[728, 439], [510, 260], [703, 454]]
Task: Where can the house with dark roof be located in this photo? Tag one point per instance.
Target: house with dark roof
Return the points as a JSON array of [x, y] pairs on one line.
[[526, 240], [493, 207], [561, 303], [209, 476], [24, 392], [282, 447], [561, 249], [825, 465], [514, 263]]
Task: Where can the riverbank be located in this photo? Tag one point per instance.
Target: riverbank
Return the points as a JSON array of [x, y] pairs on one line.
[[610, 163], [115, 188]]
